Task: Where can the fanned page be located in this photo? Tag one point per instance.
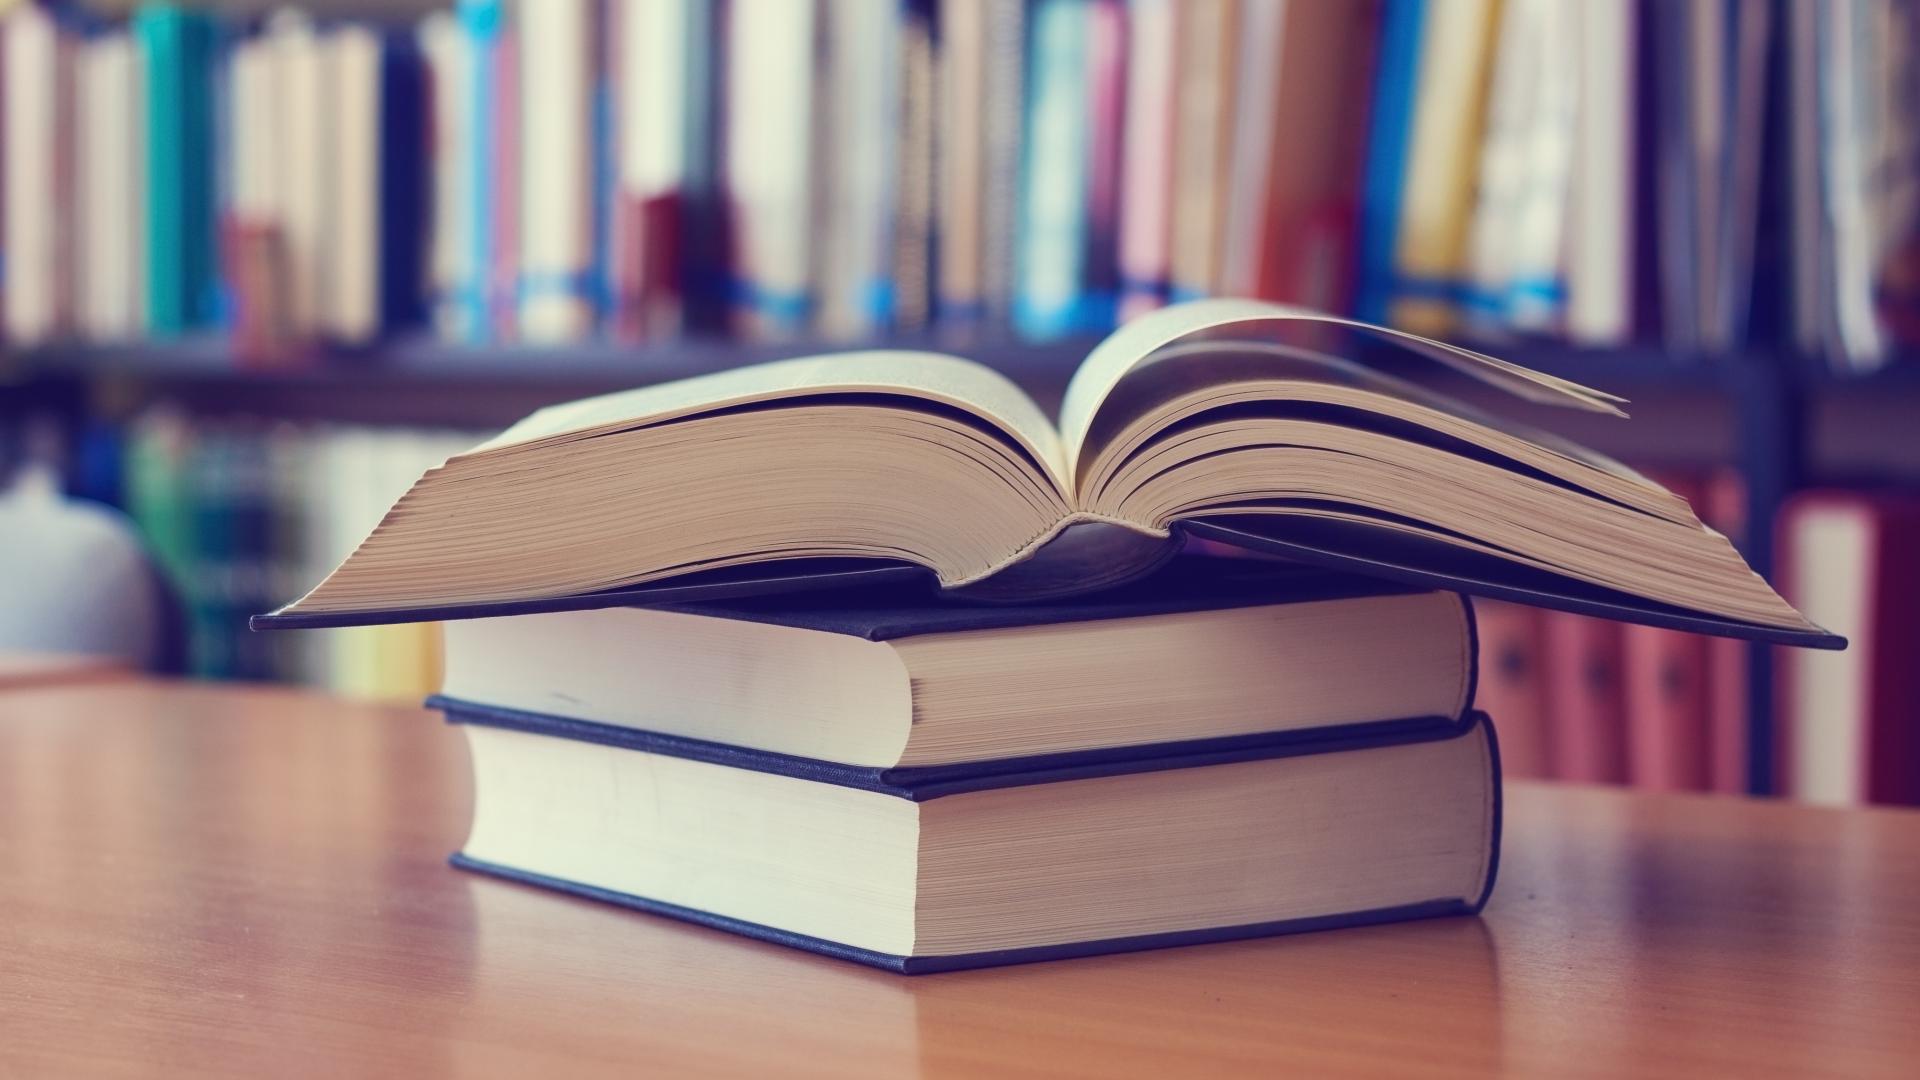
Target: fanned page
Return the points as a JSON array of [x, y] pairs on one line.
[[1200, 413], [1139, 340], [947, 380]]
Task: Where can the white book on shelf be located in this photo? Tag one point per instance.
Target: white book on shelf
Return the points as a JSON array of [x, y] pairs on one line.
[[653, 76], [768, 149], [1846, 135], [1146, 162], [1599, 247], [353, 59], [1250, 145], [109, 162], [1534, 294], [449, 60], [557, 42], [303, 139], [858, 117], [35, 204]]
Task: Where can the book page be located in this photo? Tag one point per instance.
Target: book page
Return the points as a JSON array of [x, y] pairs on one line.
[[947, 380], [1126, 348]]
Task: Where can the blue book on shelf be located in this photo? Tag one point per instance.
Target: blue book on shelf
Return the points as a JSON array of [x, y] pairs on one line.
[[404, 181], [1050, 298], [1396, 76], [483, 22], [177, 50]]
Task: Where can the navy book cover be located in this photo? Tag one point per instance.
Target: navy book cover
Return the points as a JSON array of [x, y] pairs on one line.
[[947, 781]]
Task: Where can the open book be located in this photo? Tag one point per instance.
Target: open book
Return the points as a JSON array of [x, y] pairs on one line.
[[1198, 418]]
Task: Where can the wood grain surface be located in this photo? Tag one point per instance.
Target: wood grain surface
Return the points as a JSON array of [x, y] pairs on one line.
[[204, 881]]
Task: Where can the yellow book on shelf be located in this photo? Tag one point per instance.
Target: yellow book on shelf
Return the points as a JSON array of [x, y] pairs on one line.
[[1456, 53]]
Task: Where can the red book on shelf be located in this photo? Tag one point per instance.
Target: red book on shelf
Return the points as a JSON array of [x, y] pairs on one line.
[[1583, 695], [1665, 688], [1849, 722], [1318, 149], [1511, 686], [1725, 508], [646, 285]]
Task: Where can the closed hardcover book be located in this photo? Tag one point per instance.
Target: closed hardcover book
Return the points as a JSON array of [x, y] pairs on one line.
[[1201, 654], [960, 870]]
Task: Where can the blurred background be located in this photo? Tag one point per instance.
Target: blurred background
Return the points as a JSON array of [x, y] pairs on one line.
[[264, 264]]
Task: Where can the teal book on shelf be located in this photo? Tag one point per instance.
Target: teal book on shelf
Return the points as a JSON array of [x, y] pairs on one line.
[[176, 49]]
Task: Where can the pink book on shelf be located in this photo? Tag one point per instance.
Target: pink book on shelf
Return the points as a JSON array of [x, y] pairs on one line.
[[1583, 693], [1666, 706], [1666, 686], [1511, 686], [1725, 509], [1146, 181], [503, 284]]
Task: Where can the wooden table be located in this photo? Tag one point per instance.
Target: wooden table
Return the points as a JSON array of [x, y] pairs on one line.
[[249, 882], [20, 669]]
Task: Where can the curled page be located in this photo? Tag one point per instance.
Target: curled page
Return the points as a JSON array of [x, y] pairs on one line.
[[1130, 346], [946, 380]]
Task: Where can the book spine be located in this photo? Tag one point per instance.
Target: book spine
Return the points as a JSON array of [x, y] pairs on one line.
[[1429, 250], [912, 289], [1204, 96], [1584, 698], [406, 182], [556, 89], [1053, 211], [1511, 685], [1665, 697], [1387, 143], [480, 21], [961, 99], [1004, 109], [1146, 181], [767, 161]]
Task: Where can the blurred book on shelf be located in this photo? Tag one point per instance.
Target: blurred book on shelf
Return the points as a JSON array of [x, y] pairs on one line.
[[1710, 177], [238, 511], [1849, 726]]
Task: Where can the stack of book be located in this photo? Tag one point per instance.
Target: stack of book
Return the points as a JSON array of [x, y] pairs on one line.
[[695, 655], [925, 786]]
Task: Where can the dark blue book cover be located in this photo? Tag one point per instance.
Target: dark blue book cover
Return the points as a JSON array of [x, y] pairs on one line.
[[943, 782]]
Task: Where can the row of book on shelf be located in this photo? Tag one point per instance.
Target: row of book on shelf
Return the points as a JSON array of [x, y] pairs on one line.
[[242, 513], [1702, 175]]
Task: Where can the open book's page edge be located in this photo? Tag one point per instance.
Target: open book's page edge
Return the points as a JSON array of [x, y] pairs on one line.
[[953, 381], [1575, 597], [1127, 347]]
